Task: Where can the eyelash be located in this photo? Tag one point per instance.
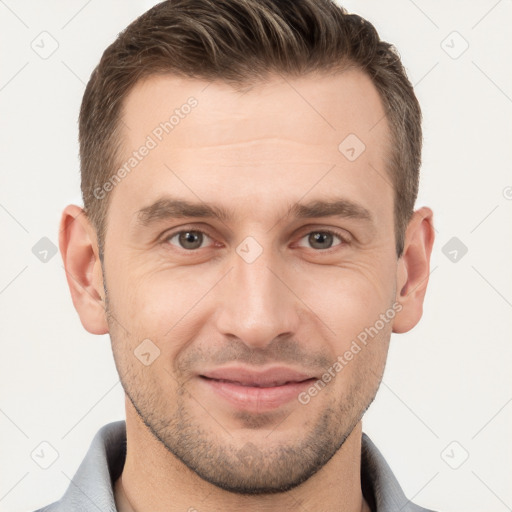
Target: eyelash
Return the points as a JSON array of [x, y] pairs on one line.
[[343, 239]]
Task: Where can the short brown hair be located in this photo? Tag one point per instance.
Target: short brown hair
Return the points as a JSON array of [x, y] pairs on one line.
[[241, 42]]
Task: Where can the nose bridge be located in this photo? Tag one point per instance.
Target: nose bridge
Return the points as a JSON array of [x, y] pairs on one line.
[[256, 306]]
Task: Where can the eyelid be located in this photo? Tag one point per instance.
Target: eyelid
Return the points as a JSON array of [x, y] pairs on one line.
[[165, 238], [344, 237]]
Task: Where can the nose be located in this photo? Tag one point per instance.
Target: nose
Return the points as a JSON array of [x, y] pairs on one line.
[[256, 303]]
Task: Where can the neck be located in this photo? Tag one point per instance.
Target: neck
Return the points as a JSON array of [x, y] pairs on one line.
[[154, 480]]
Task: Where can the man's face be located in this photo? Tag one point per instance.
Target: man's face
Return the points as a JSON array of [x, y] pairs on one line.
[[250, 310]]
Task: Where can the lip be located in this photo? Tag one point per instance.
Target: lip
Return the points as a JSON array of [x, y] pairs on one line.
[[256, 390]]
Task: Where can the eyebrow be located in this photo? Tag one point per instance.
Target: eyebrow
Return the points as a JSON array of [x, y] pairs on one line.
[[333, 208], [172, 208]]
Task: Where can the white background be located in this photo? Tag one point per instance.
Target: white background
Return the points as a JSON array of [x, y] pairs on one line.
[[448, 380]]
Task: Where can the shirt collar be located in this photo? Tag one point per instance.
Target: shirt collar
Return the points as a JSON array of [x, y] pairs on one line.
[[380, 486]]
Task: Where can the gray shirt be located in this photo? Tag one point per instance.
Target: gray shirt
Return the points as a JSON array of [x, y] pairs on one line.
[[92, 487]]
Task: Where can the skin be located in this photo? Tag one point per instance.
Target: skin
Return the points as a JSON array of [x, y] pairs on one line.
[[255, 153]]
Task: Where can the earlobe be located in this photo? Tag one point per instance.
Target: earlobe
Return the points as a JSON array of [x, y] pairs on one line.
[[79, 249], [414, 269]]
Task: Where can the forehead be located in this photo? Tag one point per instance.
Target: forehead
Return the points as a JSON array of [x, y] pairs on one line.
[[326, 104], [281, 137]]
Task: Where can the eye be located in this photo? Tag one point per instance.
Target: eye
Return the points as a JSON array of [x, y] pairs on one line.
[[189, 239], [322, 239]]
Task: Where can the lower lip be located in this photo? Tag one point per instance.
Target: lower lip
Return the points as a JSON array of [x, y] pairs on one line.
[[256, 399]]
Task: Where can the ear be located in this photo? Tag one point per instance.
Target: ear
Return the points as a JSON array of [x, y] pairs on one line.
[[414, 269], [79, 249]]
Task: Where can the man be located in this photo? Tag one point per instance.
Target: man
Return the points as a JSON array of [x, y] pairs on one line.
[[248, 240]]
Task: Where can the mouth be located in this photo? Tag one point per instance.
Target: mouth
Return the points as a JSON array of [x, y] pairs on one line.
[[251, 391], [253, 384]]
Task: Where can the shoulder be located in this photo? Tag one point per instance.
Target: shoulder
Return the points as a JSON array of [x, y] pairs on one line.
[[380, 486], [91, 488]]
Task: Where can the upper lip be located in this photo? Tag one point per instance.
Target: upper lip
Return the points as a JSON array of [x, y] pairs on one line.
[[274, 376]]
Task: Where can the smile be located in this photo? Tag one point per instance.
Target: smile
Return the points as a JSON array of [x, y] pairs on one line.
[[252, 391]]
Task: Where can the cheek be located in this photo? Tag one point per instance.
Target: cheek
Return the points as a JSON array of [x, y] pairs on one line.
[[162, 306], [347, 299], [361, 361]]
